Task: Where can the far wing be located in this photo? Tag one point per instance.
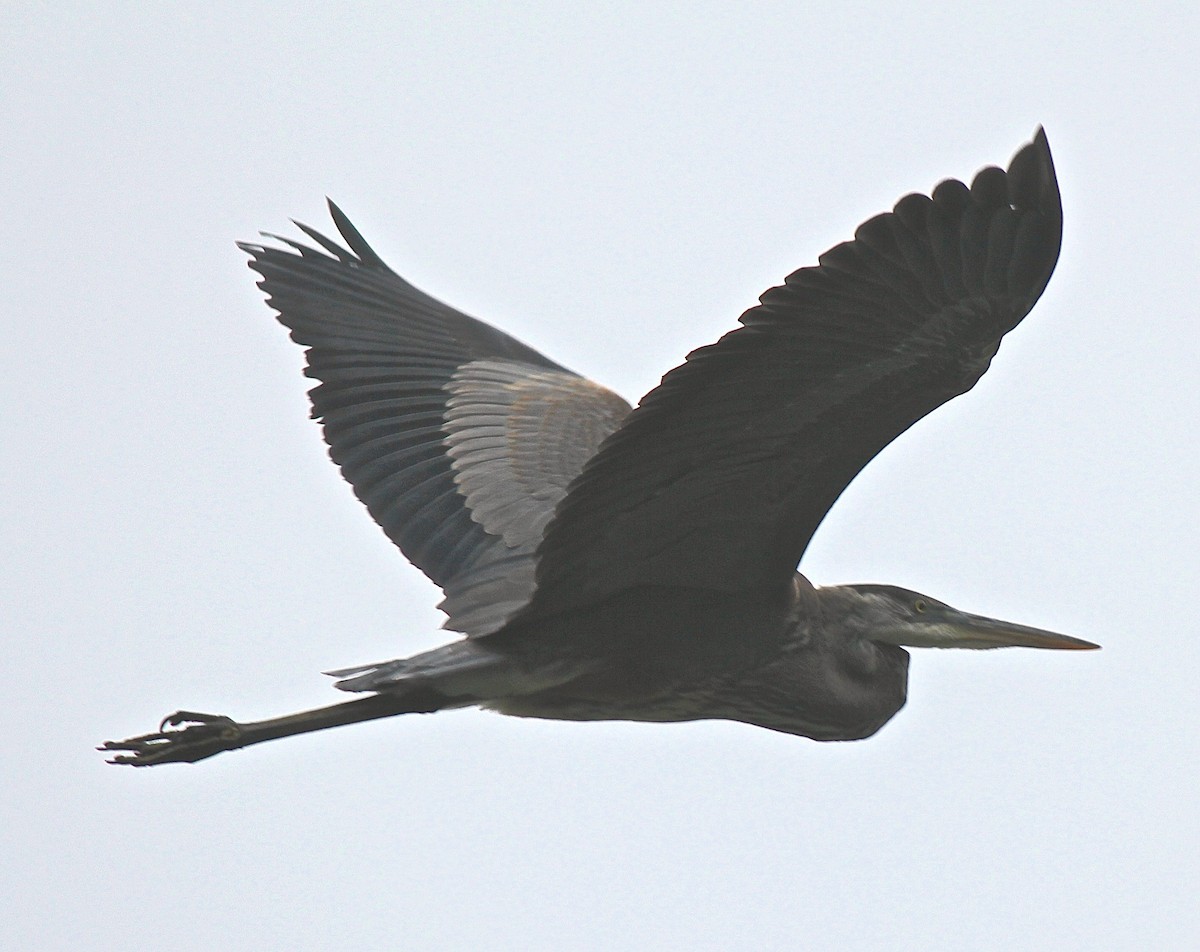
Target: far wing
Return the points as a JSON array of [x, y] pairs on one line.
[[720, 477], [459, 439]]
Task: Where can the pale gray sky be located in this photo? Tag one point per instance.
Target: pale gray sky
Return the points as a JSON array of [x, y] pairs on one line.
[[614, 187]]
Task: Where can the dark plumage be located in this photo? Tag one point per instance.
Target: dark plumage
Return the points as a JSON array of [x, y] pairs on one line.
[[615, 564]]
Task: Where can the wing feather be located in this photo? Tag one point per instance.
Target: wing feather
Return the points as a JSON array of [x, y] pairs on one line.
[[720, 477], [398, 371]]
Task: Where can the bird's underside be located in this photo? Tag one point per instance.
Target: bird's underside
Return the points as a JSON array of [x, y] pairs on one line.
[[607, 564]]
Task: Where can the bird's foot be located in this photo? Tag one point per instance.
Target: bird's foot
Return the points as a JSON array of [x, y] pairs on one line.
[[203, 736]]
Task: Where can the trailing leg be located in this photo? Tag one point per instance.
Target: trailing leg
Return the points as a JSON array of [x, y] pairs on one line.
[[207, 734]]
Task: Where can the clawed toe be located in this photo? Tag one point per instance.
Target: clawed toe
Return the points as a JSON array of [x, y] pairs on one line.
[[192, 717], [205, 735]]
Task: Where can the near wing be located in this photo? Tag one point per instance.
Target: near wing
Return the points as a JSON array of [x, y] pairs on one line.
[[720, 477], [459, 439]]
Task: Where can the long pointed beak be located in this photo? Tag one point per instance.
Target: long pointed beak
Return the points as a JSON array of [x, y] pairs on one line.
[[965, 630]]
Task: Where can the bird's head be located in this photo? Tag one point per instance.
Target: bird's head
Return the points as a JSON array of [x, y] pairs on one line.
[[887, 614]]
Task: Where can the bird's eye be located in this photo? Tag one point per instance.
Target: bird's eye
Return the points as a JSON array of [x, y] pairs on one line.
[[920, 605]]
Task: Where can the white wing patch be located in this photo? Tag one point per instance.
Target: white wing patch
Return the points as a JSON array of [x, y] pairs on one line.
[[517, 436]]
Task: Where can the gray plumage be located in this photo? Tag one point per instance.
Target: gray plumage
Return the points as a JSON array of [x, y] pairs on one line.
[[641, 565]]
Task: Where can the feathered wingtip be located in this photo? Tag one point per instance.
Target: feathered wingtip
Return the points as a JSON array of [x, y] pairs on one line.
[[356, 252], [353, 238], [1032, 182], [1033, 186]]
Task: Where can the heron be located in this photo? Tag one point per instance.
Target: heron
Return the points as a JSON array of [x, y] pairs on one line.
[[608, 563]]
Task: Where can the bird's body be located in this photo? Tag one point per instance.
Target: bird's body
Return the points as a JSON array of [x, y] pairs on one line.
[[663, 654], [778, 641], [640, 565]]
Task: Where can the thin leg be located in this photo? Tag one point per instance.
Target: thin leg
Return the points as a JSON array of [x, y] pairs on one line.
[[209, 734]]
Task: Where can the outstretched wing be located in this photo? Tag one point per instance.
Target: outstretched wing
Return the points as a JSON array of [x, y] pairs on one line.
[[459, 439], [720, 477]]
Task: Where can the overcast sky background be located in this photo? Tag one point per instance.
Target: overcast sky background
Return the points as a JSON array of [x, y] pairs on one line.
[[613, 187]]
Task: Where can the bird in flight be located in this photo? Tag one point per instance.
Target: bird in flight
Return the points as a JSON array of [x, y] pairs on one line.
[[609, 563]]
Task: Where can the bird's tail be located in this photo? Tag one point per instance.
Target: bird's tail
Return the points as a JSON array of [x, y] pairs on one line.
[[461, 674]]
